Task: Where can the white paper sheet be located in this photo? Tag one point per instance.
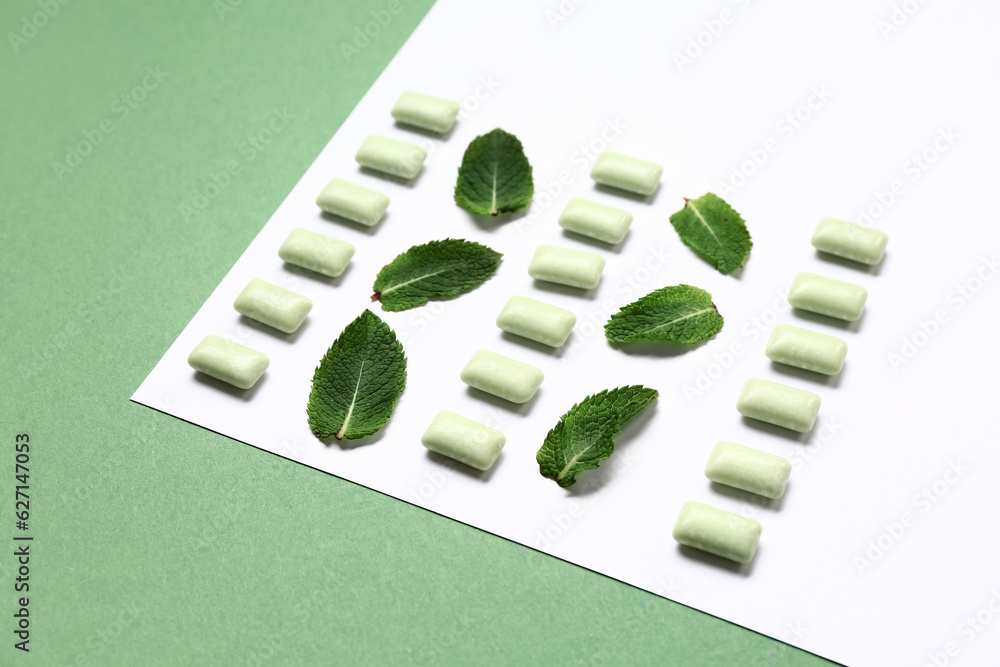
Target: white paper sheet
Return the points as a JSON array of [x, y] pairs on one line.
[[884, 549]]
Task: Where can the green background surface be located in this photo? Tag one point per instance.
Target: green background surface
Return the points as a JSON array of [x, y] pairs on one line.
[[158, 542]]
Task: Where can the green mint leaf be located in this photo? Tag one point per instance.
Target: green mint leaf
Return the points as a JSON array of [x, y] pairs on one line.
[[675, 314], [716, 232], [586, 434], [358, 381], [434, 271], [495, 176]]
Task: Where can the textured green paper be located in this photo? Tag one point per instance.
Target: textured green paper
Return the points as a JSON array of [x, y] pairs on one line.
[[675, 314], [586, 434], [495, 176], [358, 382], [716, 232], [434, 271]]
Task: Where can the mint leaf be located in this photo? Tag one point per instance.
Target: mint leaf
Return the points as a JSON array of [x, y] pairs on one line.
[[675, 314], [716, 232], [358, 381], [586, 434], [495, 176], [436, 270]]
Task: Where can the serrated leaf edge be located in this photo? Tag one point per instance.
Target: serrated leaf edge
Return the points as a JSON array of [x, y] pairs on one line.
[[622, 313], [377, 296], [715, 237], [616, 426], [494, 211], [341, 432]]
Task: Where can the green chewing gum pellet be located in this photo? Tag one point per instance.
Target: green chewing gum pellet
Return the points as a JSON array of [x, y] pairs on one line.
[[575, 268], [230, 362], [391, 156], [806, 349], [778, 404], [850, 241], [354, 202], [464, 440], [501, 376], [826, 296], [274, 306], [537, 321], [316, 252], [718, 532], [425, 111], [748, 469], [604, 223], [626, 173]]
